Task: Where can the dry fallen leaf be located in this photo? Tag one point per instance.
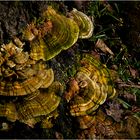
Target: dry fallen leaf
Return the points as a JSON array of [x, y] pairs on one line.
[[103, 47], [114, 111], [58, 135], [134, 72], [107, 5], [130, 96], [96, 55], [135, 109]]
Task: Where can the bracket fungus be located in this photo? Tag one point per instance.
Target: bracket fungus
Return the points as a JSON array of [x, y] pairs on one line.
[[8, 110], [95, 87], [63, 33], [37, 108], [89, 97], [20, 75], [86, 121], [84, 22], [99, 73], [25, 75], [28, 86]]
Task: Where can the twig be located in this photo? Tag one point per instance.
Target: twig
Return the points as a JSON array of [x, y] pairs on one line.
[[128, 85]]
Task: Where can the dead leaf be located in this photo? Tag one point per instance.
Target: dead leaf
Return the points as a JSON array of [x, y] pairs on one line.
[[72, 91], [103, 47], [114, 67], [107, 5], [123, 84], [58, 135], [96, 55], [135, 109], [130, 96], [114, 111], [133, 72]]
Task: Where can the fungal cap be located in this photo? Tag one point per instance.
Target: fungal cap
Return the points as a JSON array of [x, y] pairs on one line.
[[41, 105], [27, 86], [49, 79], [8, 110], [86, 121], [84, 22], [63, 35], [89, 98]]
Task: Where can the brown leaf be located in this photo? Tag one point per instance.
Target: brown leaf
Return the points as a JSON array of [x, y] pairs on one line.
[[58, 136], [133, 72], [107, 5], [72, 91], [114, 111], [135, 109], [130, 96], [103, 47], [96, 55]]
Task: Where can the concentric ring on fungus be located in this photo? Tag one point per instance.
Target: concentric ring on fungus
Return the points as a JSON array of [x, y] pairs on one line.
[[63, 34], [25, 73], [95, 86], [26, 87], [39, 107], [8, 110], [84, 22]]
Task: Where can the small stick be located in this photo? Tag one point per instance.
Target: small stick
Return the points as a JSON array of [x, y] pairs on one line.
[[127, 85]]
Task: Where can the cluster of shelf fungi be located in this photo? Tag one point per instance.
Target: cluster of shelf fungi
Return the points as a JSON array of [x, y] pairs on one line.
[[30, 82]]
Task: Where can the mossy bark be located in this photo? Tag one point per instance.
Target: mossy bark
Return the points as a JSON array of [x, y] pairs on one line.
[[15, 15]]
